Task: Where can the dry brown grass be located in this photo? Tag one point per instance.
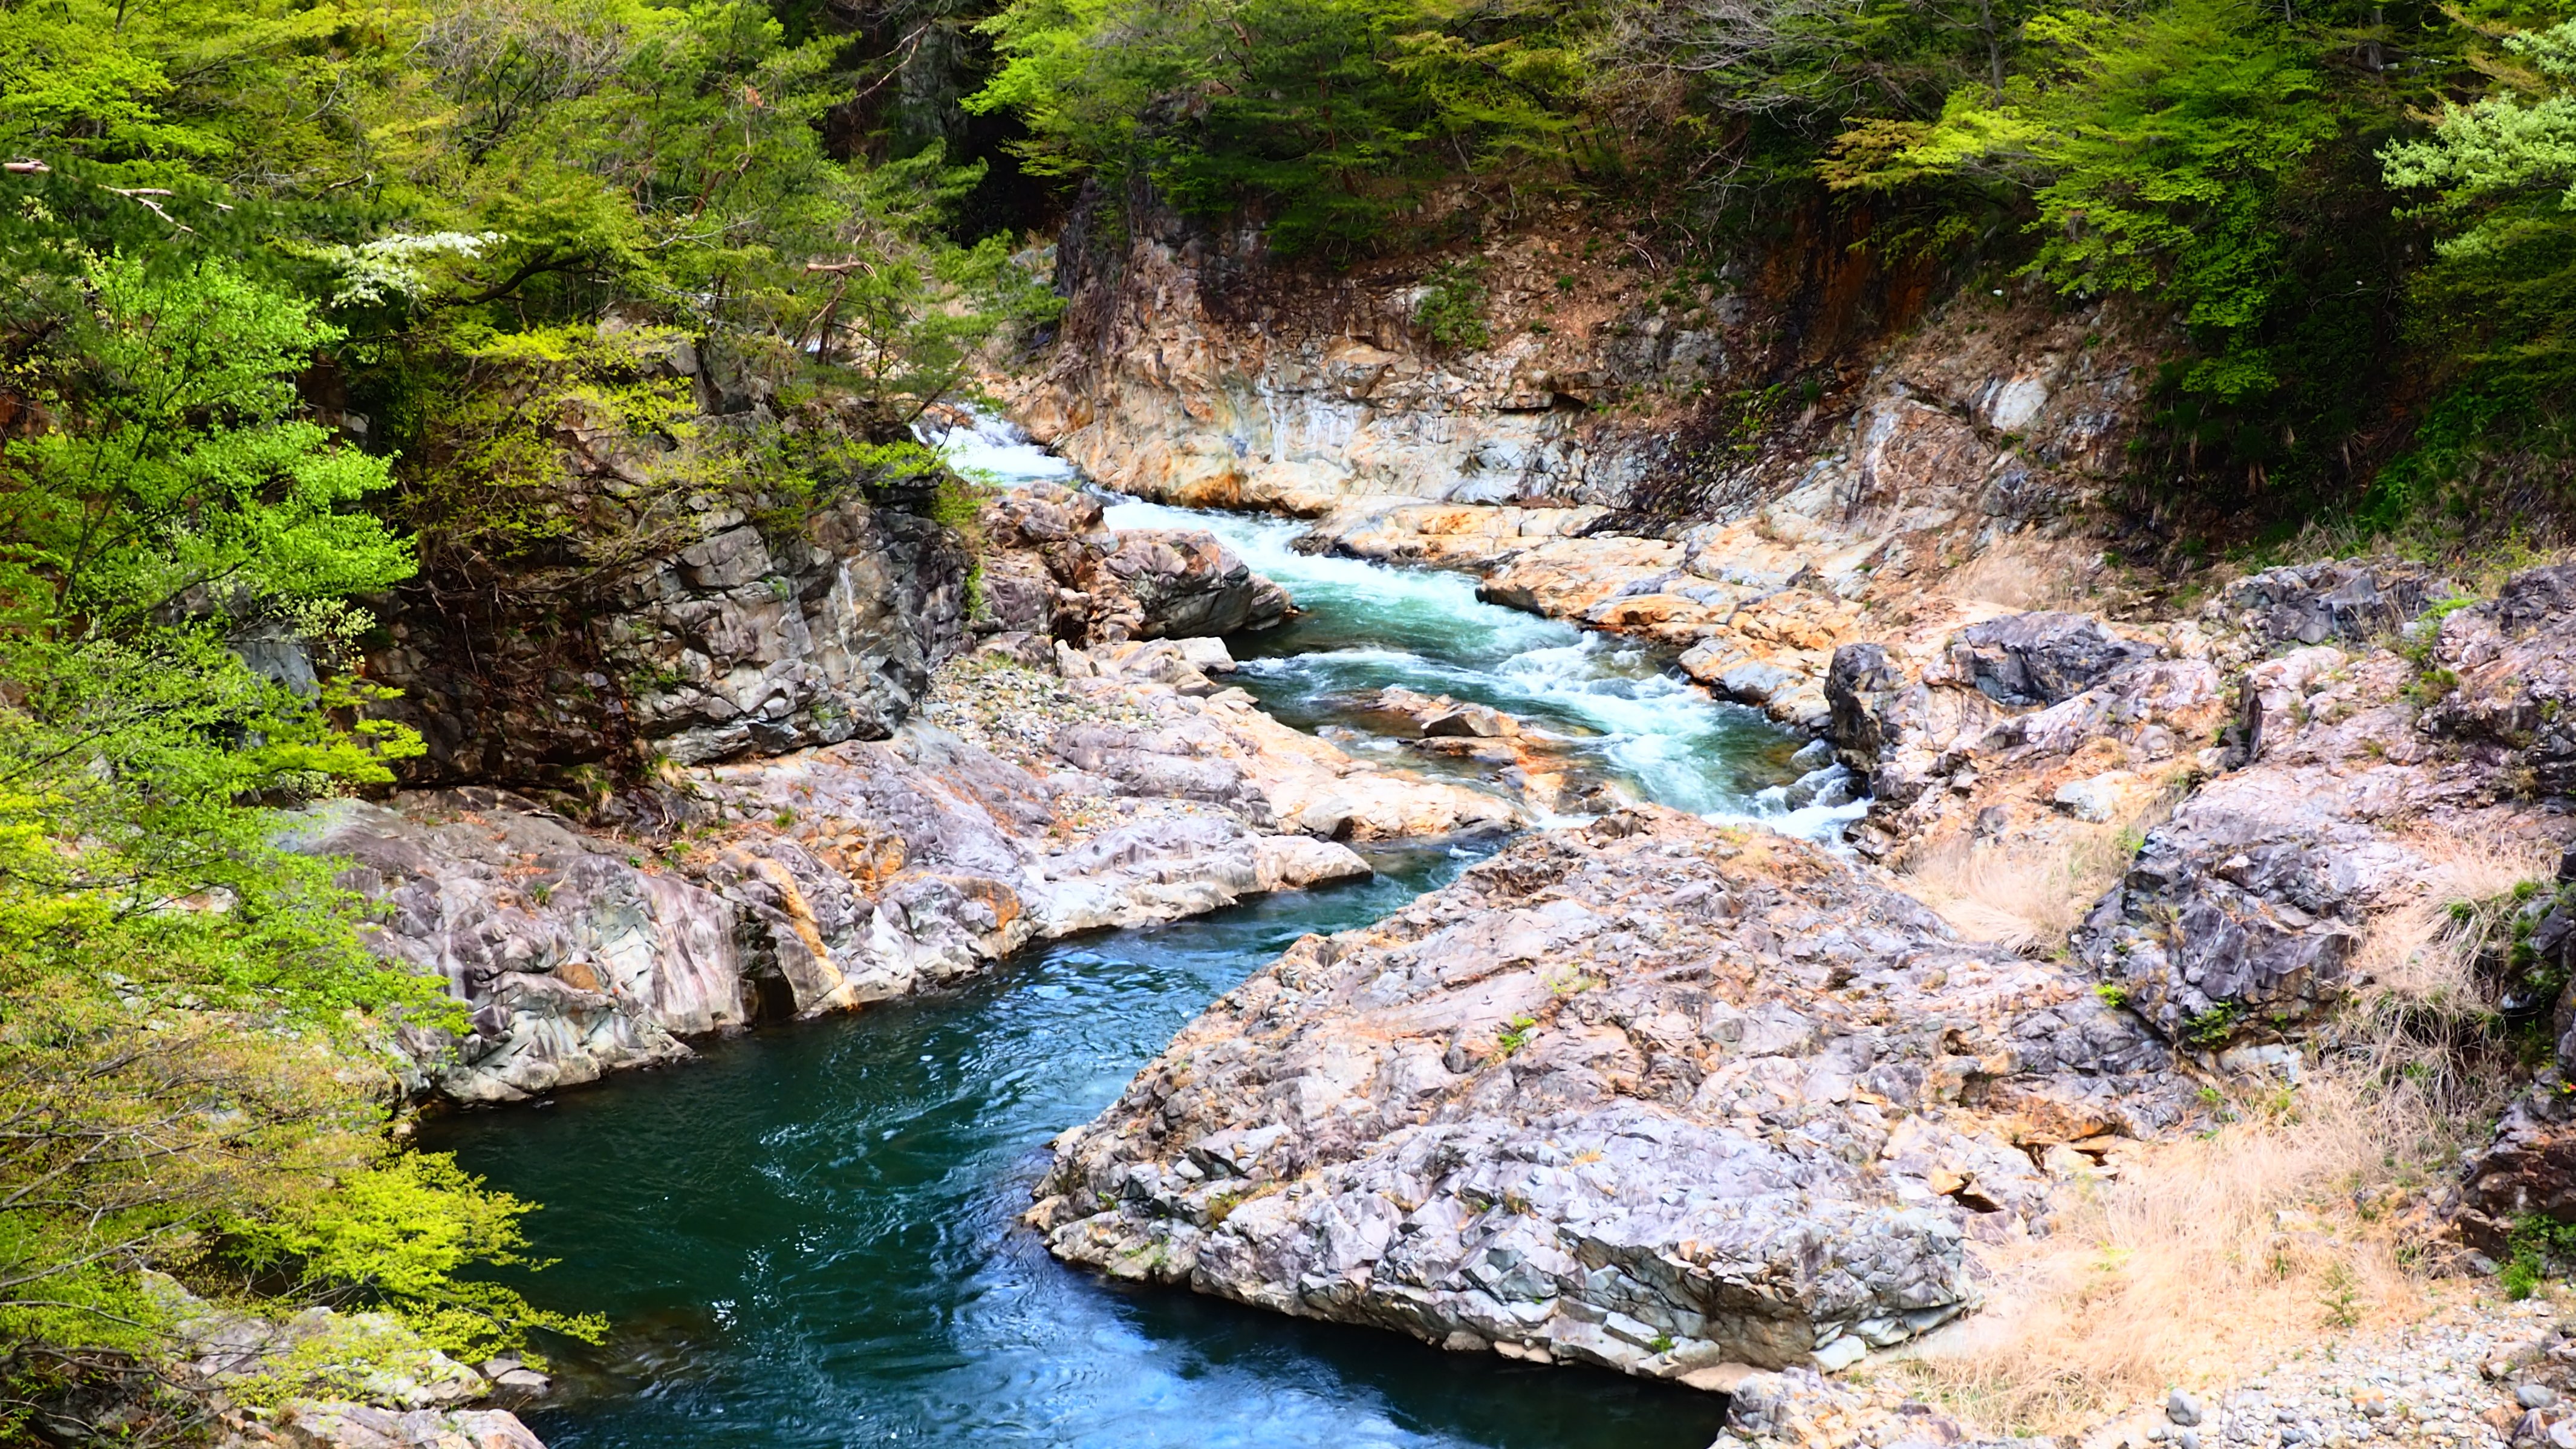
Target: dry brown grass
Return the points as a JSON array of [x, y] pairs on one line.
[[2210, 1255], [2028, 893], [2206, 1256], [2416, 951], [2024, 572]]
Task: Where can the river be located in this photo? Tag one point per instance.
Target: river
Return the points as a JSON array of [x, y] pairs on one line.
[[809, 1238]]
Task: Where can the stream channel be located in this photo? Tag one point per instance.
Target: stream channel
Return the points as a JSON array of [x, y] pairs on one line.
[[809, 1238]]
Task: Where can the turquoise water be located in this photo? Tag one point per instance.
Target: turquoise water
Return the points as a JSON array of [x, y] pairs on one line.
[[1630, 716], [810, 1237]]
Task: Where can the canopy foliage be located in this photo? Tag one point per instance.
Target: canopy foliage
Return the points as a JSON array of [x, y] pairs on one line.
[[294, 300]]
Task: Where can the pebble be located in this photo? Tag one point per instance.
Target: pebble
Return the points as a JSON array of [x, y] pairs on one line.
[[2482, 1375], [2471, 1380]]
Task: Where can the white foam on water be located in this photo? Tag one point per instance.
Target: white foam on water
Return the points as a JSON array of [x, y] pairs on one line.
[[1661, 731], [993, 450]]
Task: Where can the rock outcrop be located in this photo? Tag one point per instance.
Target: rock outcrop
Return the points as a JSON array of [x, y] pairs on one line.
[[334, 1425], [1860, 533], [2028, 724], [2529, 1168], [339, 1381], [1132, 792], [2039, 659], [744, 640], [2244, 915], [2509, 665], [2348, 601], [1057, 571], [2232, 920], [1652, 1094]]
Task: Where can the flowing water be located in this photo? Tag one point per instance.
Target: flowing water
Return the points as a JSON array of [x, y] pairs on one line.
[[809, 1238], [1620, 705]]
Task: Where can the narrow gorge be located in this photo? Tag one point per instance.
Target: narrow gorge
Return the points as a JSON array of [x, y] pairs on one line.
[[1614, 977], [1644, 724]]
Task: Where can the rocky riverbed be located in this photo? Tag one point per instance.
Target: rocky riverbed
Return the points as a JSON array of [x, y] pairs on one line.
[[1688, 1100], [1653, 1094]]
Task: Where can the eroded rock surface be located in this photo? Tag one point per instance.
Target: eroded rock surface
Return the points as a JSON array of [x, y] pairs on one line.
[[2041, 658], [2510, 664], [1058, 571], [740, 641], [1955, 742], [1130, 790], [2335, 796], [1654, 1094], [2352, 601], [2529, 1168], [1191, 370]]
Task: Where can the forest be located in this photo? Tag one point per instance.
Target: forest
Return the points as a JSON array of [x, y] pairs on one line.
[[293, 291]]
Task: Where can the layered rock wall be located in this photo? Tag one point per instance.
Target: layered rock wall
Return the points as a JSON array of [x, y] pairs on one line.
[[1126, 790], [1194, 370]]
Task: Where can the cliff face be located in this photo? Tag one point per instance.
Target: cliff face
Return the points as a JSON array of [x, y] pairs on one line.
[[689, 616], [1191, 369], [747, 640]]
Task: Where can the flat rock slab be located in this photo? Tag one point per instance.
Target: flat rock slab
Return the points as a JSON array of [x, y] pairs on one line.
[[1654, 1094]]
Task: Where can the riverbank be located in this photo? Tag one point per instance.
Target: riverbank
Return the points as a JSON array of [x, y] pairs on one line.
[[1619, 720], [2006, 712]]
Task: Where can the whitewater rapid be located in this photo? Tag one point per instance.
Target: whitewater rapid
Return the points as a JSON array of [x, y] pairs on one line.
[[1609, 700]]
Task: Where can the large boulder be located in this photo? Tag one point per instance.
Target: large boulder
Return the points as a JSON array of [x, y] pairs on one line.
[[2351, 600], [743, 639], [1656, 1094], [1860, 685], [1104, 587], [1188, 584], [2023, 660], [2223, 927]]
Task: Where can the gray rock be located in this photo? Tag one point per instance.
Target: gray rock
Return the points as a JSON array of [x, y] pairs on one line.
[[2512, 664], [739, 642], [2354, 600], [1782, 1405], [1858, 686], [2094, 800], [305, 1424], [2534, 1396], [1104, 587], [1471, 721], [2227, 923], [848, 876], [2182, 1409], [1188, 583], [2041, 658], [1601, 1100]]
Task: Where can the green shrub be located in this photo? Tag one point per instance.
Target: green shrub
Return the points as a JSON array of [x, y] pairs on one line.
[[1452, 309]]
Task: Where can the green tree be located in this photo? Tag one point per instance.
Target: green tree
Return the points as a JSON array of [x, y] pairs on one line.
[[2154, 147], [1329, 117], [186, 1008], [2501, 294]]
